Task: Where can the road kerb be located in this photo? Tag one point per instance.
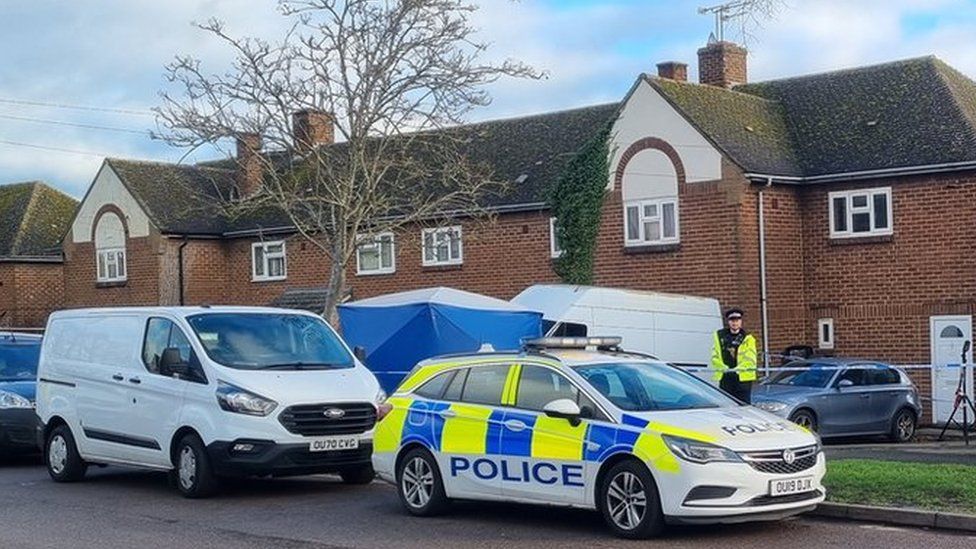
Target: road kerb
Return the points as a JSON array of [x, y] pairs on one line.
[[902, 517]]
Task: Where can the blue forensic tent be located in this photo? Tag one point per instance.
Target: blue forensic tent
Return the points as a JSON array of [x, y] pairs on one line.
[[400, 330]]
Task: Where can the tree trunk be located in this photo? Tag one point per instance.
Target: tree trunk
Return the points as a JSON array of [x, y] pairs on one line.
[[337, 286]]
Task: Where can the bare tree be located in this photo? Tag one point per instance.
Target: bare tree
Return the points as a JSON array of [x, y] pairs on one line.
[[388, 72]]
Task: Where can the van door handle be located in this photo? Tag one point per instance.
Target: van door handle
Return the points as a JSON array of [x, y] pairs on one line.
[[135, 380], [515, 425], [117, 377]]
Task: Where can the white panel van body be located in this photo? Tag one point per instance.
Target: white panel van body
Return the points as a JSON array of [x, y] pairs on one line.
[[204, 392], [674, 328]]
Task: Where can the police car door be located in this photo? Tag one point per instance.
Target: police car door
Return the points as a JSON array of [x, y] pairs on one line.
[[543, 455], [468, 453]]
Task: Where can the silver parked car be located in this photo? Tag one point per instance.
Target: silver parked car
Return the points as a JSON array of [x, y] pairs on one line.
[[842, 397]]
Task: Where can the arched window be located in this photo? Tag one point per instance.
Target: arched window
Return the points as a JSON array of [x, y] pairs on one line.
[[951, 331], [110, 248], [650, 193]]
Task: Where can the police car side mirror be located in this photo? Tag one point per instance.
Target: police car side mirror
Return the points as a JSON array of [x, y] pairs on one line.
[[564, 409]]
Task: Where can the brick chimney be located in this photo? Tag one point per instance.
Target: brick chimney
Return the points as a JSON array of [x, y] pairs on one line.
[[673, 70], [249, 171], [311, 128], [722, 64]]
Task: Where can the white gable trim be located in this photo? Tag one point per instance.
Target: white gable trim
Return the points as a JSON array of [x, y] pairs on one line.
[[646, 113], [108, 189]]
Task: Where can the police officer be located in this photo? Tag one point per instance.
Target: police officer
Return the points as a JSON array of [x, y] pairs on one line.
[[734, 348]]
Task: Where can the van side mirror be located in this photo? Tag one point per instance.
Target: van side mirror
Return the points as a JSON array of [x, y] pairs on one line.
[[564, 409], [360, 353], [844, 383], [172, 363]]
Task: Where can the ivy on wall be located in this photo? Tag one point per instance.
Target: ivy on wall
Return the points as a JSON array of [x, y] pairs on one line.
[[576, 201]]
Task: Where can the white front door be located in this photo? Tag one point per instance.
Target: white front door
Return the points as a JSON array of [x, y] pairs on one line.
[[948, 334]]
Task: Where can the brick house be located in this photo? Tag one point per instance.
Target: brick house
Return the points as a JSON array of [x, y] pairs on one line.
[[834, 208], [33, 217]]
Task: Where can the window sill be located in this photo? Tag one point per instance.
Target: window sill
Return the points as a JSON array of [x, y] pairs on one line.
[[375, 273], [277, 279], [652, 248], [866, 239], [111, 284], [435, 268]]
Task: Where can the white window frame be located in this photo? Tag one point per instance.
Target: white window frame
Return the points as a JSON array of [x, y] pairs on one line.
[[374, 242], [102, 258], [825, 342], [641, 204], [437, 232], [850, 211], [554, 250], [264, 277]]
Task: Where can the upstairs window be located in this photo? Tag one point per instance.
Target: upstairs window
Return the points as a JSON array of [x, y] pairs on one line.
[[376, 255], [650, 195], [110, 253], [268, 261], [651, 222], [864, 212], [442, 246], [555, 243]]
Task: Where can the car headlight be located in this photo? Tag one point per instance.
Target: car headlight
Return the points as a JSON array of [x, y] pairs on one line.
[[699, 452], [234, 399], [383, 408], [771, 406], [13, 400]]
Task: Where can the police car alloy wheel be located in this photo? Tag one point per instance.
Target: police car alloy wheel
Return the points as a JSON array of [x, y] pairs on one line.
[[629, 501], [193, 475], [419, 484], [64, 464]]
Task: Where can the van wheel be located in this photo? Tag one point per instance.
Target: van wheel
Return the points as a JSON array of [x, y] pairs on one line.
[[64, 464], [419, 484], [363, 474], [903, 426], [629, 501], [193, 475]]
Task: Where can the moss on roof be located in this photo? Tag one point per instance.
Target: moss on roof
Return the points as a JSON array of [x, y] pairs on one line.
[[33, 218]]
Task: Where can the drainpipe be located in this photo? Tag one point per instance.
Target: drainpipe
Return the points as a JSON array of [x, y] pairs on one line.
[[180, 260], [764, 306]]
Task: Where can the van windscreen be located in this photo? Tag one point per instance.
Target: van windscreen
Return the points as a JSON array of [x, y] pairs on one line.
[[270, 341]]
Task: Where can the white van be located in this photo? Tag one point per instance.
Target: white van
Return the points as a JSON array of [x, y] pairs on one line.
[[674, 328], [204, 392]]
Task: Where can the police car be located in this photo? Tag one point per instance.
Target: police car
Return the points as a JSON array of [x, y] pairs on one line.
[[578, 422]]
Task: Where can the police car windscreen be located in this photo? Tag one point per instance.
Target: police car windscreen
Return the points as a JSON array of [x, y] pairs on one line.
[[261, 341], [640, 387]]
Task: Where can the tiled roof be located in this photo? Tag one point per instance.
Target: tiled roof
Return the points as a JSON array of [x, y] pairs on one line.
[[33, 218]]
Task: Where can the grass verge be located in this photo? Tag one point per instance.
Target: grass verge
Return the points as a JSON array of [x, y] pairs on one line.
[[928, 486]]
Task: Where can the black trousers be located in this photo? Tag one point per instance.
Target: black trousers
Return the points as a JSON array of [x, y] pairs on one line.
[[741, 390]]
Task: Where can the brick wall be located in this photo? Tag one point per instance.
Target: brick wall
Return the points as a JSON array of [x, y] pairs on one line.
[[29, 292], [143, 270]]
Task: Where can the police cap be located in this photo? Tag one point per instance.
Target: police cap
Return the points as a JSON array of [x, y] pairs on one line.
[[732, 313]]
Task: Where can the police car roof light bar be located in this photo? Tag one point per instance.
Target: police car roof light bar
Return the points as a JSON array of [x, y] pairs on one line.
[[571, 342]]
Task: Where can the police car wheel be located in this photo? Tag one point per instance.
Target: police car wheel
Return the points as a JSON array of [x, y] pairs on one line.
[[629, 501], [419, 484]]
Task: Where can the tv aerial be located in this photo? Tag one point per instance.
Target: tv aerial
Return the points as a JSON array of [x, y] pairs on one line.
[[724, 13]]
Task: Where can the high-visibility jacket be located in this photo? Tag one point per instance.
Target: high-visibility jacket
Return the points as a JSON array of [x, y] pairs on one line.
[[744, 360]]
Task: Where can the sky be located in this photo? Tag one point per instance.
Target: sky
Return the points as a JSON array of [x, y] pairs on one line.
[[111, 54]]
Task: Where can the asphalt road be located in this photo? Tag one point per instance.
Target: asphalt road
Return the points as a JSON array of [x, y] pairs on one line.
[[120, 508]]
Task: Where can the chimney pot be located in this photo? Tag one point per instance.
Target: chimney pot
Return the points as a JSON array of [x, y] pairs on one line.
[[249, 172], [673, 70], [312, 128], [722, 64]]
